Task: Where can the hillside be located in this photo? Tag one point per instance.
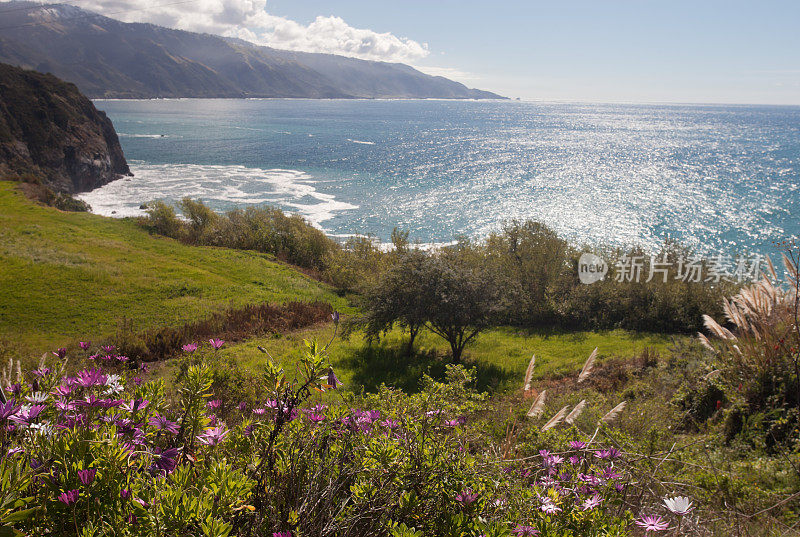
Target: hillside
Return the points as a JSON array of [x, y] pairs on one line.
[[71, 275], [107, 58], [48, 128]]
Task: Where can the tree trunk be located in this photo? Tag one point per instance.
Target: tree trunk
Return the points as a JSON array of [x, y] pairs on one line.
[[456, 349], [412, 334]]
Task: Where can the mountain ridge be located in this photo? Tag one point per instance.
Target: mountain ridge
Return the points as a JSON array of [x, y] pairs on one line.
[[107, 58]]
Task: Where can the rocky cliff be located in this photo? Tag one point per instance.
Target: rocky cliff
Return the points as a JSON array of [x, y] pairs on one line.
[[48, 128]]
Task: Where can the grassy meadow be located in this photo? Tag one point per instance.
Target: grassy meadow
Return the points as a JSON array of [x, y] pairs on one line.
[[500, 355], [70, 275]]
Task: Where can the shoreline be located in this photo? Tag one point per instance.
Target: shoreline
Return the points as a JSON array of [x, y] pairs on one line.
[[453, 99]]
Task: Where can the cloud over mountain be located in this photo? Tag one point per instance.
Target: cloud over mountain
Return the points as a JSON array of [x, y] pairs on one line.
[[250, 20], [108, 58]]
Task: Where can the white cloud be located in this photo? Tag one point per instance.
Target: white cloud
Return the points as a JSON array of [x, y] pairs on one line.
[[249, 20]]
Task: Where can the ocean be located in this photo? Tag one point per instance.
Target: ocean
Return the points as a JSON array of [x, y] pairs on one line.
[[718, 178]]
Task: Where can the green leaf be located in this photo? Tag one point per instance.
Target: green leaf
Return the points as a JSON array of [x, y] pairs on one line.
[[18, 516]]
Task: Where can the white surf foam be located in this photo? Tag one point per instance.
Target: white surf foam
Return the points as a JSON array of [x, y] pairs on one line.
[[360, 142], [220, 186], [126, 135]]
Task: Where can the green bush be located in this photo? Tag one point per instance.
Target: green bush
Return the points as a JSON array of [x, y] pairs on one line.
[[535, 269], [264, 229], [162, 219]]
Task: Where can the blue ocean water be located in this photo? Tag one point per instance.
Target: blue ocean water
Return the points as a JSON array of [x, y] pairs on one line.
[[718, 178]]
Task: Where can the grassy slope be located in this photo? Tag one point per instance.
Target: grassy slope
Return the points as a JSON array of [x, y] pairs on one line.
[[501, 355], [70, 275]]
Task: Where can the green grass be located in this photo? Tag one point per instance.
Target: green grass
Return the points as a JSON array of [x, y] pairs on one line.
[[500, 355], [71, 275]]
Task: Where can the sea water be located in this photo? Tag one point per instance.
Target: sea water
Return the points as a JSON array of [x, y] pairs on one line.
[[715, 177]]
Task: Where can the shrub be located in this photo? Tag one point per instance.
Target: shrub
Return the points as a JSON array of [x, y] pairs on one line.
[[532, 259], [162, 219], [357, 265], [533, 270], [200, 218], [264, 229], [33, 187], [230, 324]]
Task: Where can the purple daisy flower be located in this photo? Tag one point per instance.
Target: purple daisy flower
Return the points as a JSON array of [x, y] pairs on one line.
[[213, 436], [314, 417], [525, 531], [87, 476], [7, 410], [69, 497], [466, 497], [163, 424], [390, 423], [165, 460], [26, 416], [590, 503], [458, 422], [652, 523], [135, 405], [89, 378], [610, 454]]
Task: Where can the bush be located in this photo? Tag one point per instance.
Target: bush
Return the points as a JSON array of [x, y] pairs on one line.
[[34, 188], [162, 219], [200, 218], [357, 265], [446, 292], [534, 269], [264, 229], [531, 259], [700, 403], [231, 324]]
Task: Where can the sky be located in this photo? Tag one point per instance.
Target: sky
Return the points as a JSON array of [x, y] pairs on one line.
[[702, 51]]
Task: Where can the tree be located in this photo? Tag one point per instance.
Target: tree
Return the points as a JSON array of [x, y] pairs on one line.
[[461, 297], [396, 297], [532, 258], [452, 292]]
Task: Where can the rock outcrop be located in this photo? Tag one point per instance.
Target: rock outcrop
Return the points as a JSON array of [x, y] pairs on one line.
[[48, 128]]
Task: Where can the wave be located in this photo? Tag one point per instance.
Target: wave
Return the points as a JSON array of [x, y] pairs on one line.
[[387, 246], [360, 142], [221, 187], [126, 135]]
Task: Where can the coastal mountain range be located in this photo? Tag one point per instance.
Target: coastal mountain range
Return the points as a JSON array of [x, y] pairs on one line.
[[107, 58]]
